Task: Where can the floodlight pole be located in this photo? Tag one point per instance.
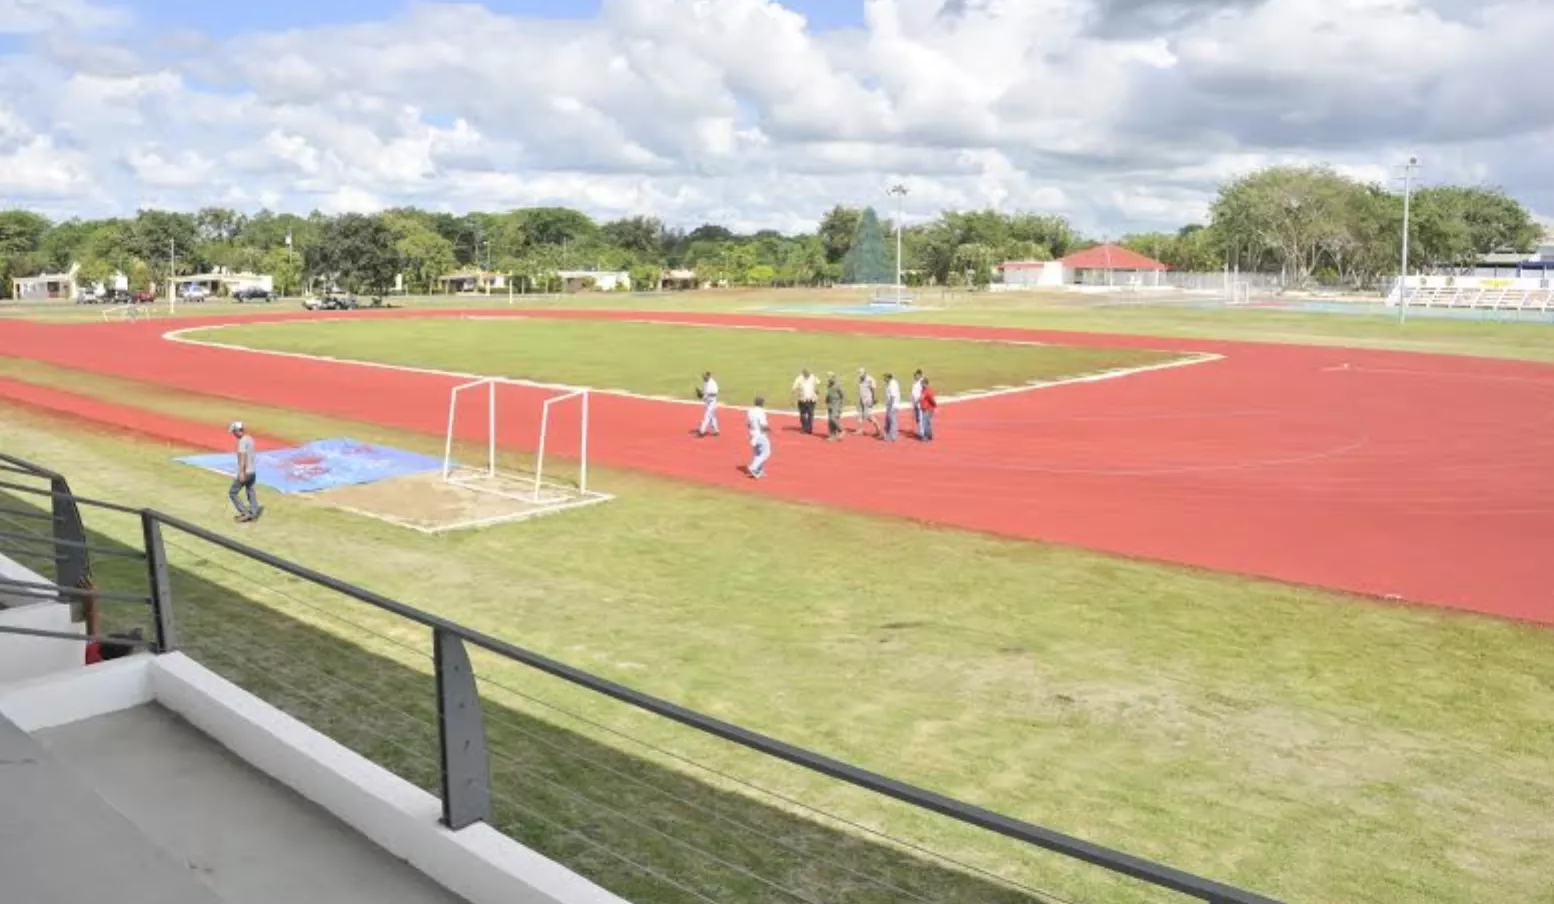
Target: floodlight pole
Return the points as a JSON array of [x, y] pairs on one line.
[[899, 191], [1408, 186]]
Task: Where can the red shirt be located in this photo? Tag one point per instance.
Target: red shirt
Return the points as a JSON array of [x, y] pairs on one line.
[[928, 402]]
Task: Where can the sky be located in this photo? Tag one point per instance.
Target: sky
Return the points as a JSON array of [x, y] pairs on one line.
[[1123, 115]]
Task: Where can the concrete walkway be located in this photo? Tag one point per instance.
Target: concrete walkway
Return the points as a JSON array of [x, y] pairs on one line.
[[247, 837]]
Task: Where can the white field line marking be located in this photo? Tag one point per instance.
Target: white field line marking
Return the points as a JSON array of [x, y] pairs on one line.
[[181, 336]]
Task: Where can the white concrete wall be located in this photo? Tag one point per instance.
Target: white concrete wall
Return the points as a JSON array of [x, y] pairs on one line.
[[478, 863], [29, 657]]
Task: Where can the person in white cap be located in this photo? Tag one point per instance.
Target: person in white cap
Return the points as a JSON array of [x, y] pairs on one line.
[[245, 476]]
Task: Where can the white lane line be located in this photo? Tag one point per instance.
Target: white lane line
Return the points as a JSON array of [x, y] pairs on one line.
[[183, 336]]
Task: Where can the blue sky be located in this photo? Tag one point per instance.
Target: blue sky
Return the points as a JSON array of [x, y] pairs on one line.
[[228, 19]]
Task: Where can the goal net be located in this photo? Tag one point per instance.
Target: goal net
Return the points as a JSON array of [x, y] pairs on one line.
[[1239, 293], [522, 447]]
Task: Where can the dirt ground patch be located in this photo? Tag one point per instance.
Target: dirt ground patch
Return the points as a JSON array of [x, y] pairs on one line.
[[431, 504]]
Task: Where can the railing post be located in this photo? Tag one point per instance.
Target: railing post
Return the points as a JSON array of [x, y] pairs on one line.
[[72, 565], [461, 733], [160, 586]]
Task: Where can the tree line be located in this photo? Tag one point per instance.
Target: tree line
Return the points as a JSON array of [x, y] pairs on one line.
[[1308, 223]]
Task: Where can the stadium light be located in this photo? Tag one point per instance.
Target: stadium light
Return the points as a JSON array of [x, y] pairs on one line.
[[1408, 186], [899, 192]]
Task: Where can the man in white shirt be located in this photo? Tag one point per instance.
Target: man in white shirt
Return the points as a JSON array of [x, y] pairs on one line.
[[760, 438], [917, 402], [892, 402], [708, 393], [806, 391]]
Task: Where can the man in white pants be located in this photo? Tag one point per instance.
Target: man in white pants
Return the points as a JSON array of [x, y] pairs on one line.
[[708, 393], [892, 403], [760, 438]]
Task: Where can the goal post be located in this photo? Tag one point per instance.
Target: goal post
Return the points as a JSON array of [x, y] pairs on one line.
[[483, 412]]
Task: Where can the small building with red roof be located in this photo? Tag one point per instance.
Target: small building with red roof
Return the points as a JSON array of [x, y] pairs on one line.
[[1103, 265]]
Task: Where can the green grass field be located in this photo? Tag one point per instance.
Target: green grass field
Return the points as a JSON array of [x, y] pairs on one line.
[[1304, 744], [667, 360]]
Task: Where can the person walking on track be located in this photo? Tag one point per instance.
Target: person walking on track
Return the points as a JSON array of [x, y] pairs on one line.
[[866, 399], [917, 402], [835, 399], [806, 393], [930, 406], [708, 393], [892, 403], [760, 438], [246, 475]]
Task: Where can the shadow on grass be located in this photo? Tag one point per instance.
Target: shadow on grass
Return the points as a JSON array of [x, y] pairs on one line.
[[646, 832]]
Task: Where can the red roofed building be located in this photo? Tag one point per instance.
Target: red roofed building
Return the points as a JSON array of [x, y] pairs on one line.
[[1103, 265], [1111, 265]]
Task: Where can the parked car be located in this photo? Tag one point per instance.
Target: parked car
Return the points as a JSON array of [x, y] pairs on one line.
[[252, 293], [331, 301], [144, 297], [192, 293], [115, 296]]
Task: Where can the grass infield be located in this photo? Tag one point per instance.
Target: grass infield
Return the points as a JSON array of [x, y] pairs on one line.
[[1304, 744], [668, 360]]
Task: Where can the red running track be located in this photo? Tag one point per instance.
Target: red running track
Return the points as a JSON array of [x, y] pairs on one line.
[[1423, 478]]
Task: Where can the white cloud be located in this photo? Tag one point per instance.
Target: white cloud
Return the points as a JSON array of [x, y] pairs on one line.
[[1119, 113]]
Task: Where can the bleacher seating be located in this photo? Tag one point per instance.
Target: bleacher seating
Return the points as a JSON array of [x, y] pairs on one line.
[[1502, 300]]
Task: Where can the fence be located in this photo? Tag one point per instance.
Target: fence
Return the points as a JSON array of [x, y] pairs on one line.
[[661, 826]]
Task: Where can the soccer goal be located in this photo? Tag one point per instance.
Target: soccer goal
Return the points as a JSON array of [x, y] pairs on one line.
[[1240, 293], [485, 413]]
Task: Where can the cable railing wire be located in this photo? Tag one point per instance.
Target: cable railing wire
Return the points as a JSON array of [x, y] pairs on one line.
[[776, 795], [534, 736], [291, 689], [512, 724]]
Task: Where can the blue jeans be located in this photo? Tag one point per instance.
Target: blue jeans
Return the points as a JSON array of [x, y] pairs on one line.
[[891, 417], [762, 450], [239, 484], [925, 425], [709, 417]]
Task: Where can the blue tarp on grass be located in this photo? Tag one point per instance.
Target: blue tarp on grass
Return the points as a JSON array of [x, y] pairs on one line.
[[322, 465]]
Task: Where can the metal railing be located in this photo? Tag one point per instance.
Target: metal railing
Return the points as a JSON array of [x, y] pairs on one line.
[[463, 758]]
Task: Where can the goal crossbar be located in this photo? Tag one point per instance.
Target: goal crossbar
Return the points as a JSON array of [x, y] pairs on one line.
[[490, 384]]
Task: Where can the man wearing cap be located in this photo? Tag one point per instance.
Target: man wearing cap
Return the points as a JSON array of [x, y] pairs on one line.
[[866, 391], [806, 393], [245, 476]]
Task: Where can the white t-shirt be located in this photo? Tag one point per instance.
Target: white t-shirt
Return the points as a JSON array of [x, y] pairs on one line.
[[245, 449], [917, 391], [709, 389], [756, 420], [892, 393], [866, 392], [806, 387]]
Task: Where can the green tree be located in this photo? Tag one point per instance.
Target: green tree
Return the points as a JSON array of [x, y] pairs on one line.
[[869, 261], [1457, 225], [355, 252], [838, 228], [21, 231], [285, 268], [641, 236], [1284, 215]]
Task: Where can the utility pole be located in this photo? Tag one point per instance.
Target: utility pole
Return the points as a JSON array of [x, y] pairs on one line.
[[172, 277], [899, 191], [1408, 188]]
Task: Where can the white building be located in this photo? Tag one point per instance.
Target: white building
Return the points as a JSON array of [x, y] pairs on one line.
[[598, 280], [46, 286]]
